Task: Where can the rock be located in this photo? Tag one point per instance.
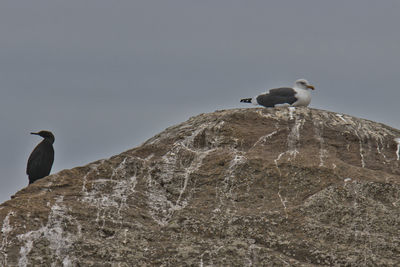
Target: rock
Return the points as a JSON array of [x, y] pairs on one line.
[[241, 187]]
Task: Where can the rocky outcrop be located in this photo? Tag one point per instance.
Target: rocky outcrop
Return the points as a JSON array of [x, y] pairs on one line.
[[242, 187]]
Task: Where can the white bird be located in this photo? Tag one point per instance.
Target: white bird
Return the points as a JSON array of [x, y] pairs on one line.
[[299, 95]]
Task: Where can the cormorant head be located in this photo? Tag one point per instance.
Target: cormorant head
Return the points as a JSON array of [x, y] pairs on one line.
[[303, 84], [45, 135]]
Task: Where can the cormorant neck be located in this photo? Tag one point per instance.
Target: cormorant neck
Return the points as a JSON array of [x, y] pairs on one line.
[[49, 139]]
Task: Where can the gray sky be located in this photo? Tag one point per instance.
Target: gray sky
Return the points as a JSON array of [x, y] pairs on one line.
[[104, 76]]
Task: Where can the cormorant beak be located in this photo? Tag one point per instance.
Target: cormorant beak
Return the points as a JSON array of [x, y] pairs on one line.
[[35, 133], [311, 87]]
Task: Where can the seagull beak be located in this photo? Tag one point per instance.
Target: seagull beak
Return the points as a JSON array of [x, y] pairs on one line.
[[311, 87]]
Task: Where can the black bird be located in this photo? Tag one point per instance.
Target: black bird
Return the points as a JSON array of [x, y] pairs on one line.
[[41, 158]]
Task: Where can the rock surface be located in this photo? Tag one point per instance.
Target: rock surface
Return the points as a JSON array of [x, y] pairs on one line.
[[242, 187]]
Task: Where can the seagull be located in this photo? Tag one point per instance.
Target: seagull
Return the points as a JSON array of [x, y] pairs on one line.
[[298, 96], [41, 159]]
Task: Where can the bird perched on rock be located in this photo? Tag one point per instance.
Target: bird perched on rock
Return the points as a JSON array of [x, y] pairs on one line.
[[297, 96], [41, 158]]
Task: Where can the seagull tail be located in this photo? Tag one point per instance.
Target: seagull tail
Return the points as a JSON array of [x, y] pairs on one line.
[[246, 100]]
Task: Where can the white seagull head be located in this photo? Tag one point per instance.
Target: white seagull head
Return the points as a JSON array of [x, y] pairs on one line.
[[303, 84]]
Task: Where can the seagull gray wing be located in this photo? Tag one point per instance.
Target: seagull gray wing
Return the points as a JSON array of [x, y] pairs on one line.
[[283, 95]]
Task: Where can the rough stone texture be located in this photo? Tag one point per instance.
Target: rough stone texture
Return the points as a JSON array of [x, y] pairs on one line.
[[242, 187]]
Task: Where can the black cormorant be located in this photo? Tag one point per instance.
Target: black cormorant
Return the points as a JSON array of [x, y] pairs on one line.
[[41, 158]]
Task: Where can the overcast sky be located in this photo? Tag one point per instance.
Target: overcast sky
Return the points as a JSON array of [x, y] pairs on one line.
[[104, 76]]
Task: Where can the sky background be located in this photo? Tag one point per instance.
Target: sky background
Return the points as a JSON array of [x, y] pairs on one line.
[[104, 76]]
